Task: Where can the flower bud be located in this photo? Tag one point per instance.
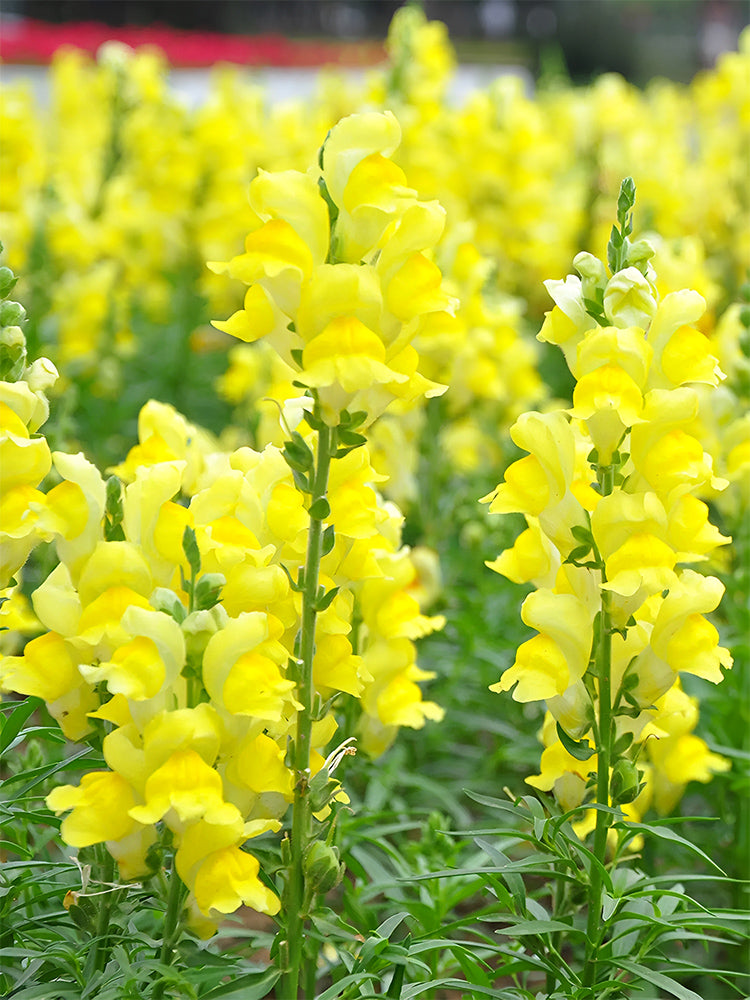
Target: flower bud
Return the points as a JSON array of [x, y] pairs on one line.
[[12, 353], [41, 375], [164, 599], [11, 313], [7, 281], [199, 626], [593, 274], [323, 867], [208, 589], [624, 785]]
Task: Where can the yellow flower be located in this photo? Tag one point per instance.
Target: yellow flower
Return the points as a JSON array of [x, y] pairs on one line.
[[183, 790], [227, 879], [531, 558], [682, 636], [241, 668], [100, 806]]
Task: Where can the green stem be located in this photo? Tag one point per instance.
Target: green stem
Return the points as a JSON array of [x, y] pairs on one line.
[[171, 932], [100, 951], [298, 959], [604, 761]]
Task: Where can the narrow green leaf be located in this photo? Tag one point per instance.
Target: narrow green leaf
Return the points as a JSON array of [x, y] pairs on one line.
[[657, 979], [252, 986], [14, 722], [665, 833], [334, 992], [326, 600], [525, 927], [329, 540]]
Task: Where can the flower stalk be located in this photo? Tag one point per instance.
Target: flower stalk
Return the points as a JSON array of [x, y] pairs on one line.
[[297, 895], [604, 747]]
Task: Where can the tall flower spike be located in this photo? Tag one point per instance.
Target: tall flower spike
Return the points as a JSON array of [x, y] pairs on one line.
[[621, 617], [332, 271]]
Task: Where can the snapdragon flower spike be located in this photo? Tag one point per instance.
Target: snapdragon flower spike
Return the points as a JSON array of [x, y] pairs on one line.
[[171, 628], [611, 490], [339, 275]]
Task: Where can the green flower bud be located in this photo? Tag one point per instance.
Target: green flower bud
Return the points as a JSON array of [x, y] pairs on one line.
[[324, 869], [591, 270], [208, 589], [41, 375], [199, 626], [11, 313], [164, 599], [12, 353], [7, 281], [640, 251], [624, 785]]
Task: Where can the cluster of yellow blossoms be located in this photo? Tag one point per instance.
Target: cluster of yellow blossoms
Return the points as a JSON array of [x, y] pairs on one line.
[[172, 619], [120, 189], [610, 490]]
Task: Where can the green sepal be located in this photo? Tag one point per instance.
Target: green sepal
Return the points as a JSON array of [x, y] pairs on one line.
[[320, 509], [596, 312], [296, 355], [165, 600], [580, 749], [322, 789], [208, 590]]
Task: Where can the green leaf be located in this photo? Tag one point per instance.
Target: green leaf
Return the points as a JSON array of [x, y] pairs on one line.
[[297, 586], [513, 880], [329, 540], [664, 983], [580, 749], [325, 600], [301, 481], [14, 722], [525, 927], [252, 986], [335, 992], [664, 833]]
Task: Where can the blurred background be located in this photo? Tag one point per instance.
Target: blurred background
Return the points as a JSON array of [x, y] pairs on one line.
[[638, 38]]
